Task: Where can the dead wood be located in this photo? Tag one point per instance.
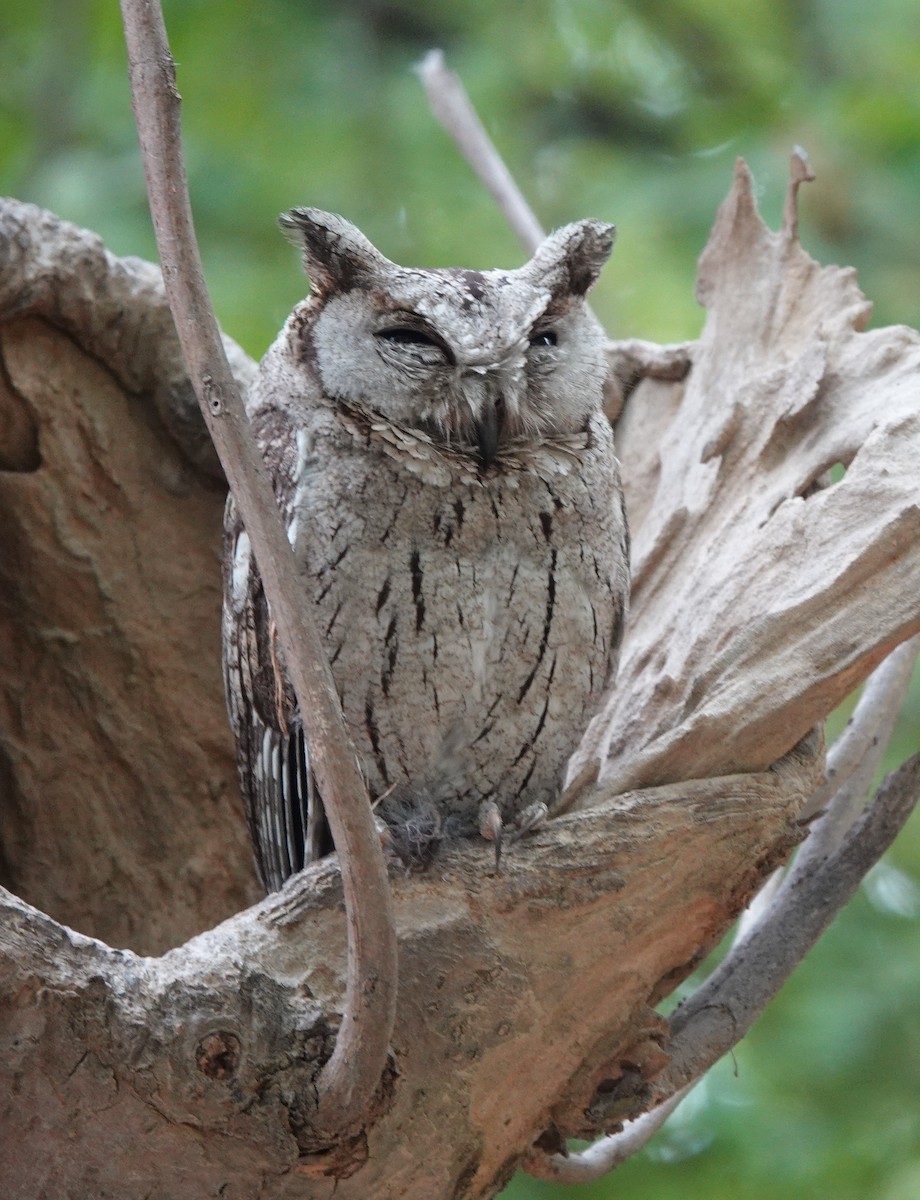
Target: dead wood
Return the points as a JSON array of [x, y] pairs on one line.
[[762, 597], [525, 999], [120, 810]]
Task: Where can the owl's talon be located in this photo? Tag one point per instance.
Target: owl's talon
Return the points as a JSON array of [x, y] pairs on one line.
[[531, 818], [491, 828]]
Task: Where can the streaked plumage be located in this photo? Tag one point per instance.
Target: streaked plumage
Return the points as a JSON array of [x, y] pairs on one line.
[[448, 480]]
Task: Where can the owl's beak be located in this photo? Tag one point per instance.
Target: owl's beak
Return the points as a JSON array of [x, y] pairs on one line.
[[482, 392], [488, 429]]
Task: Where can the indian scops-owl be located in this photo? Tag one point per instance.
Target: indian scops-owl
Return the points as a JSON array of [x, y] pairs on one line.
[[448, 480]]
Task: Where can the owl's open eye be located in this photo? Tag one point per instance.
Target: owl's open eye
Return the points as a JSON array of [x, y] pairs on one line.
[[545, 337]]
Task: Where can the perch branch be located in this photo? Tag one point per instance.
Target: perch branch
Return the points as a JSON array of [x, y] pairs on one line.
[[353, 1072], [451, 105], [722, 1010]]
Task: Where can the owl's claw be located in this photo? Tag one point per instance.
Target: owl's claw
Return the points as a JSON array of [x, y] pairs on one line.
[[491, 828], [531, 818]]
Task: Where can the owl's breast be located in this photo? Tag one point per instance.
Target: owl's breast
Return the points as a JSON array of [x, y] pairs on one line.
[[470, 628]]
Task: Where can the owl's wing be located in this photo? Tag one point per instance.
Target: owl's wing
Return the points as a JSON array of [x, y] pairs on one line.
[[282, 804]]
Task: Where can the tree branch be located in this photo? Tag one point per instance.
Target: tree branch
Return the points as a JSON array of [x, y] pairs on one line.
[[719, 1014], [868, 730], [606, 1154], [851, 766], [722, 1010], [353, 1073], [451, 105]]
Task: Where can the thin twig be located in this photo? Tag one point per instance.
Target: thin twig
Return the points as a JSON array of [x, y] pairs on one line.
[[353, 1073], [722, 1010], [606, 1154], [451, 105], [870, 725]]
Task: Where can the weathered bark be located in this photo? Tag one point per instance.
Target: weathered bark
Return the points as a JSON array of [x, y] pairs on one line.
[[525, 999], [760, 597], [520, 994], [120, 810]]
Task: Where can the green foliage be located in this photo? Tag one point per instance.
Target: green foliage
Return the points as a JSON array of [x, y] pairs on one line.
[[622, 110]]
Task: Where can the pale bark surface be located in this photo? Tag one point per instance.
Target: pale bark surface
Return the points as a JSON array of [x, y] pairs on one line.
[[525, 999], [761, 599]]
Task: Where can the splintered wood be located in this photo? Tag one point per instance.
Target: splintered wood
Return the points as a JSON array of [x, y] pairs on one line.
[[762, 592]]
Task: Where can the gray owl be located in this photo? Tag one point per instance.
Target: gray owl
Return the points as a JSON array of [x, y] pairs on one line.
[[447, 477]]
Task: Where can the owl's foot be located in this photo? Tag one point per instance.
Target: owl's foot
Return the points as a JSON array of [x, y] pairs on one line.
[[413, 831], [493, 830], [531, 818]]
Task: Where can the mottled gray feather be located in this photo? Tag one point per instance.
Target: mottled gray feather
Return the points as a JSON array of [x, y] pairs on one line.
[[448, 480]]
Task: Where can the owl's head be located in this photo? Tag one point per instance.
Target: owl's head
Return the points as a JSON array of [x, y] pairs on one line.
[[472, 358]]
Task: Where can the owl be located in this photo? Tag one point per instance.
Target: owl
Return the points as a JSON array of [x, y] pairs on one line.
[[438, 450]]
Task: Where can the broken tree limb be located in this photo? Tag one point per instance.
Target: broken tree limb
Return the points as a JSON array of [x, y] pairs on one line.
[[760, 597]]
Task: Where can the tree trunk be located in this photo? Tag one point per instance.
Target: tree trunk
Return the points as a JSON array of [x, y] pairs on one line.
[[761, 597]]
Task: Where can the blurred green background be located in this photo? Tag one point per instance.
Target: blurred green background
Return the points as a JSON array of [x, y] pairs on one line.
[[632, 112]]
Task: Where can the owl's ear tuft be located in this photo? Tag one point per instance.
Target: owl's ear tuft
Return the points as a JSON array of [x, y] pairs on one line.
[[569, 261], [336, 255]]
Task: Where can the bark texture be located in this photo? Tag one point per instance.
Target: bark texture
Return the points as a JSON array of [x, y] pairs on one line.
[[521, 997], [761, 597], [120, 811], [525, 1000]]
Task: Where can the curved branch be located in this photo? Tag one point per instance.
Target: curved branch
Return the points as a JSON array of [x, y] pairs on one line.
[[353, 1073], [608, 1153], [852, 763], [868, 730], [451, 105], [722, 1010]]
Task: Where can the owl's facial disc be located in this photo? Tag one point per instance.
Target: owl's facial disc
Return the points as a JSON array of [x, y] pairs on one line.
[[474, 359]]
